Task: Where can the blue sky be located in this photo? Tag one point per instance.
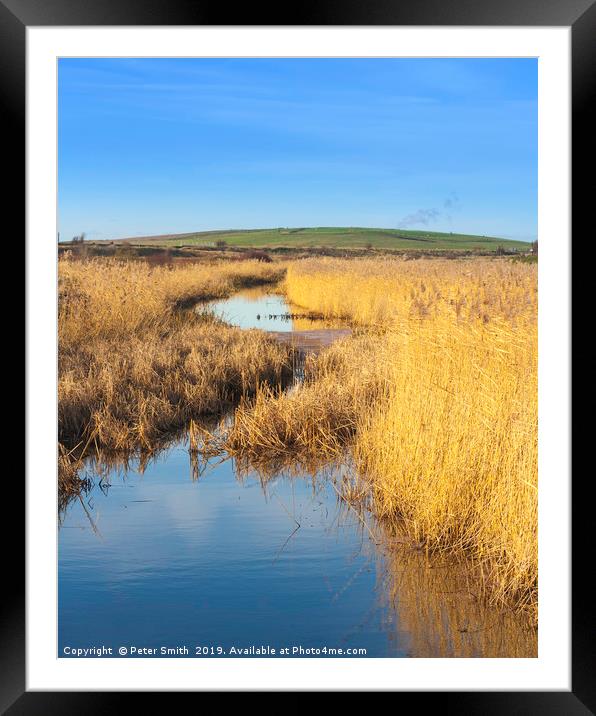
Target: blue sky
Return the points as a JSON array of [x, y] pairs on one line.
[[151, 146]]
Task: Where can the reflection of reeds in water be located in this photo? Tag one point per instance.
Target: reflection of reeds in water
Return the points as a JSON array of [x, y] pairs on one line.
[[268, 471], [440, 611], [77, 475], [255, 294], [433, 606], [70, 481], [433, 603], [310, 323]]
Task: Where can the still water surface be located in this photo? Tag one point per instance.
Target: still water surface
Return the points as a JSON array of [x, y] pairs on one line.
[[161, 555], [254, 308], [161, 559]]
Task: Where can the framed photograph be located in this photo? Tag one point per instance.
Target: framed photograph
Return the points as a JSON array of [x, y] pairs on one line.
[[298, 378]]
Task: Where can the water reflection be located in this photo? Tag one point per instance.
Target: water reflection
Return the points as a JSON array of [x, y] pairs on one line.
[[218, 561], [187, 548], [267, 309], [440, 615]]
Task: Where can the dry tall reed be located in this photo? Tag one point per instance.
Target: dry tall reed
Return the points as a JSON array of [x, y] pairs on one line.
[[111, 298], [441, 412], [134, 366]]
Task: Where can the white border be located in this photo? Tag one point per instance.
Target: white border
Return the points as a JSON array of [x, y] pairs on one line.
[[551, 670]]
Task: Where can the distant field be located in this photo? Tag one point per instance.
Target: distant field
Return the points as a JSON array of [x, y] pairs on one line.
[[341, 237]]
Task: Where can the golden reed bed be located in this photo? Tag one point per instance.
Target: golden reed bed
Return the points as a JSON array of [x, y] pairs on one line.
[[136, 364], [437, 400], [435, 395]]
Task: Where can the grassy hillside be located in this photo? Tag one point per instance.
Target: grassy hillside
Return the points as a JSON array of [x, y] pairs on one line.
[[345, 237]]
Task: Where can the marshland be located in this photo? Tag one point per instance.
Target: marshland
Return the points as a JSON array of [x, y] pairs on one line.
[[320, 451]]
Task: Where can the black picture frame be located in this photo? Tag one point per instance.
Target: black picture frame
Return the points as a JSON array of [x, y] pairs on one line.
[[580, 15]]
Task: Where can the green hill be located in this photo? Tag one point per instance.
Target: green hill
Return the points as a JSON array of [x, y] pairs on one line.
[[340, 237]]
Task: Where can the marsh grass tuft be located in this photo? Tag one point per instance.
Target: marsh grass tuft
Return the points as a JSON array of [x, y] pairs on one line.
[[317, 419]]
